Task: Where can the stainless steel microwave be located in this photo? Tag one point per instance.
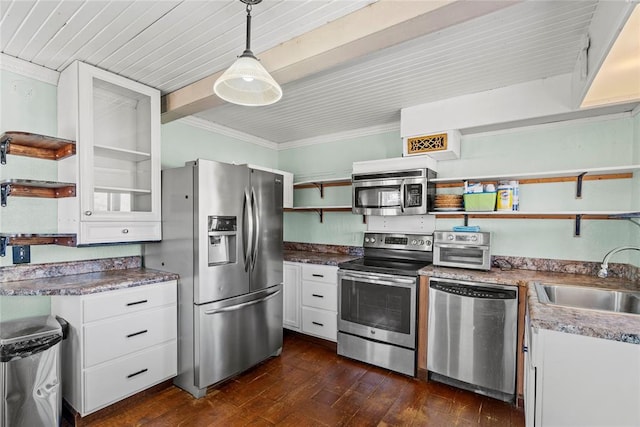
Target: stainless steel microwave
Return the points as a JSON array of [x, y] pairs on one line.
[[404, 192]]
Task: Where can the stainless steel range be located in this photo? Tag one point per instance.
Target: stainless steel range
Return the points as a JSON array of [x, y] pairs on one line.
[[377, 300]]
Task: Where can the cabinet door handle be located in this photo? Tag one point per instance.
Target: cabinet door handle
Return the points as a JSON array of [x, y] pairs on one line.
[[317, 295], [137, 373], [125, 231], [142, 301], [318, 275], [137, 333], [318, 323]]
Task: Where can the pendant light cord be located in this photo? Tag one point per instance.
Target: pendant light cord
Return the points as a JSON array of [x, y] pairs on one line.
[[247, 51]]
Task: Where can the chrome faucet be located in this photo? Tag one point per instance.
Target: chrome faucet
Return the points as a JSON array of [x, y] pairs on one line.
[[605, 262]]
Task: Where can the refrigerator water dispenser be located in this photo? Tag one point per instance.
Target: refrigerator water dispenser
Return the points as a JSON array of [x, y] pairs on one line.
[[222, 240]]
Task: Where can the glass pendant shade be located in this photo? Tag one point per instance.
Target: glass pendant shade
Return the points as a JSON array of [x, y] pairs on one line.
[[247, 82]]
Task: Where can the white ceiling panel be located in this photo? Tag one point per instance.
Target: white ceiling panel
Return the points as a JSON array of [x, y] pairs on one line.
[[170, 44], [524, 42]]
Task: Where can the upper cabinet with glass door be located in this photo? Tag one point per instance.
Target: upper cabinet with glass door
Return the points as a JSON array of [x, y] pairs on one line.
[[116, 125]]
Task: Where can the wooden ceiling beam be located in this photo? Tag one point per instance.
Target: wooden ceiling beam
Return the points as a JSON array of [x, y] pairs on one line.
[[372, 28]]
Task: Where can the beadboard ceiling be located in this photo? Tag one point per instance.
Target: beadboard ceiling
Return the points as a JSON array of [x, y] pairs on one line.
[[171, 44]]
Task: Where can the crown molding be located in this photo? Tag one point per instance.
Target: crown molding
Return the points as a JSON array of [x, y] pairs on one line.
[[339, 136], [550, 125], [223, 130], [28, 69]]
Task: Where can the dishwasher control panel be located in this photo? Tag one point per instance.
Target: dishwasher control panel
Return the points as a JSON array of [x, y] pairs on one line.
[[473, 291]]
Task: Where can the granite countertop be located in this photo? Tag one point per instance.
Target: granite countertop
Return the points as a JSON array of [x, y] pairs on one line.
[[592, 323], [321, 258], [85, 283]]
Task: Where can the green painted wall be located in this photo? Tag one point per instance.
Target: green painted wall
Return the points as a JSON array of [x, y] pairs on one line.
[[331, 160], [182, 143], [572, 145], [635, 195]]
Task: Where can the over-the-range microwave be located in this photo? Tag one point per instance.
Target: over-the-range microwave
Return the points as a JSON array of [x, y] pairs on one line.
[[403, 192]]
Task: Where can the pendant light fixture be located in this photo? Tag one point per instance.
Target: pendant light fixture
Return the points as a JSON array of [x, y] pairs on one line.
[[246, 81]]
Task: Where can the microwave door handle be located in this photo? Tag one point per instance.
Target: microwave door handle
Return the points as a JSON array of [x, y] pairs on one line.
[[402, 196], [459, 246]]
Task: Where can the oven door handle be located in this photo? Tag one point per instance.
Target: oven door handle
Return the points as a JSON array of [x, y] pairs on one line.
[[439, 245], [379, 280]]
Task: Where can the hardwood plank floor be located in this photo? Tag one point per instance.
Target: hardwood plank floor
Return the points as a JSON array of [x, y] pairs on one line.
[[310, 385]]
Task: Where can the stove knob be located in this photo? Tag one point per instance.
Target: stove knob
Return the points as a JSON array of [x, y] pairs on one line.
[[421, 242], [450, 237], [366, 240], [414, 242], [428, 242], [373, 240], [474, 238]]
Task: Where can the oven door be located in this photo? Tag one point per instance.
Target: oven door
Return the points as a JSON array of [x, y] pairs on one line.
[[390, 197], [463, 256], [379, 307]]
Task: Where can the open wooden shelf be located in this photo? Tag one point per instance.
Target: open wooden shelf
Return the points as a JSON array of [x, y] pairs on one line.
[[19, 239], [614, 172], [34, 145], [35, 188]]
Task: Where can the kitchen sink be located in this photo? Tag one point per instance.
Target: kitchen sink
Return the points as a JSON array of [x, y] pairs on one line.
[[589, 298]]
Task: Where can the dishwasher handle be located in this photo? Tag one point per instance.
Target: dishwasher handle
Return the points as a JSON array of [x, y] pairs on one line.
[[473, 291]]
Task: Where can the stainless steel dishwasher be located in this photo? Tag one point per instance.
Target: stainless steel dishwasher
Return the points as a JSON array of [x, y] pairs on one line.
[[472, 336]]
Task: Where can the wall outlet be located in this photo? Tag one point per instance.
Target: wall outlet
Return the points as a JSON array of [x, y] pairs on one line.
[[21, 254]]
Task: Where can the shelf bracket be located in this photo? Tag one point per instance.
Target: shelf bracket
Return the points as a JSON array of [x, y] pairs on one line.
[[3, 245], [576, 232], [321, 215], [320, 186], [5, 191], [4, 148], [364, 219], [579, 185], [466, 220]]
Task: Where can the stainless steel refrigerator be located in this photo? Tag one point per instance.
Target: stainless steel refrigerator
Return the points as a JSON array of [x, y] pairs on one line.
[[222, 233]]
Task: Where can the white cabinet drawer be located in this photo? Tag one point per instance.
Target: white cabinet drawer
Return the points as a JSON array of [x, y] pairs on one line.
[[320, 295], [320, 322], [125, 301], [114, 381], [115, 232], [320, 273], [112, 338]]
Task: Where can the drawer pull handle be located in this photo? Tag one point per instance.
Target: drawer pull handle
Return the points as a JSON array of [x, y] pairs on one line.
[[318, 275], [318, 323], [142, 301], [137, 373], [317, 295], [137, 333]]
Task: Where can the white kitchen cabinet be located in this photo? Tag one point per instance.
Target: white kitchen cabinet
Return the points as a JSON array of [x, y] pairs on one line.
[[119, 343], [320, 301], [311, 299], [116, 125], [578, 380], [291, 295]]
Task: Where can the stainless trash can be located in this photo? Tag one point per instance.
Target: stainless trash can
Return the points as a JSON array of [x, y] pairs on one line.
[[30, 389]]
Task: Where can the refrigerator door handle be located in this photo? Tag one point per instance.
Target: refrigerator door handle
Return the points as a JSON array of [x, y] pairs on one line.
[[244, 304], [256, 240], [247, 214]]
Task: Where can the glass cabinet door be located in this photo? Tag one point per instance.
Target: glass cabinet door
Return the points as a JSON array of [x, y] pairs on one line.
[[120, 166]]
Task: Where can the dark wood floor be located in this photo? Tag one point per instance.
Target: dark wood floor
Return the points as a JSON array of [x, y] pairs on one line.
[[309, 385]]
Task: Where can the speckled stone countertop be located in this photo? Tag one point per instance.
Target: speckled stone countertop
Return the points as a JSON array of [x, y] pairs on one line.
[[79, 277], [317, 257], [599, 324], [311, 253]]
